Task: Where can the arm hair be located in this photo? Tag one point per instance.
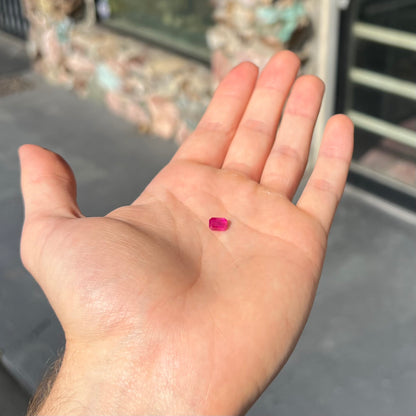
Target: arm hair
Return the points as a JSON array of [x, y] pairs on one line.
[[44, 388]]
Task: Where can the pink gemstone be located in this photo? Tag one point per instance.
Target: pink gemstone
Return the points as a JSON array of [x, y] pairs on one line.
[[218, 224]]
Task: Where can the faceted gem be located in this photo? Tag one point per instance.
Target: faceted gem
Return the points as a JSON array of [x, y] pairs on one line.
[[218, 224]]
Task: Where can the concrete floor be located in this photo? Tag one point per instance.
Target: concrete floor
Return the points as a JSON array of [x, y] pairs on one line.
[[13, 399], [357, 355]]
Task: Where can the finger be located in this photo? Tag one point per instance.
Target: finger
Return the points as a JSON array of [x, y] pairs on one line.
[[48, 184], [210, 141], [287, 160], [326, 184], [257, 130]]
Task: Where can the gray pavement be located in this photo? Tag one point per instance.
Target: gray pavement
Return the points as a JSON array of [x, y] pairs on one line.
[[112, 164], [357, 355], [13, 399]]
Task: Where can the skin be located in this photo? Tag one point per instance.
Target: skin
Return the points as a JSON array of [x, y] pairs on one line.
[[162, 315]]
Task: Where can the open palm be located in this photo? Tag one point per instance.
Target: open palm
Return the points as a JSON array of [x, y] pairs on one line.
[[180, 319]]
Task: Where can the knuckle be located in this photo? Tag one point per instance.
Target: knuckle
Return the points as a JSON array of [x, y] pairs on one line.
[[256, 126], [287, 152], [326, 186], [214, 127]]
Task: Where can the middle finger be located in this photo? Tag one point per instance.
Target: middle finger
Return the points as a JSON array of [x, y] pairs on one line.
[[256, 133]]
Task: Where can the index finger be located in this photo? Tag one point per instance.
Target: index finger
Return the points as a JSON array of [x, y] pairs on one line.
[[209, 143]]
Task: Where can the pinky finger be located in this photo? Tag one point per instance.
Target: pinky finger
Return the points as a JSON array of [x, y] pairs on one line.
[[324, 189]]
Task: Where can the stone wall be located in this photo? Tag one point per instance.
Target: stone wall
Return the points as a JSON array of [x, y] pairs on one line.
[[160, 92]]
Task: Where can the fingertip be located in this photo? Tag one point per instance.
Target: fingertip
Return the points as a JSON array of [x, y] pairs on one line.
[[21, 151], [311, 82], [287, 56], [25, 149], [280, 72], [305, 99], [341, 120], [47, 181], [245, 68], [248, 64], [340, 127], [245, 73], [24, 152]]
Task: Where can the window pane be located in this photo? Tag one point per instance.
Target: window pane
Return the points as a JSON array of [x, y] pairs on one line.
[[393, 14], [178, 24], [395, 62], [388, 107]]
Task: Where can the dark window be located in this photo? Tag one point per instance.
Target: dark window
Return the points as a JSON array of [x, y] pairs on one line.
[[179, 25]]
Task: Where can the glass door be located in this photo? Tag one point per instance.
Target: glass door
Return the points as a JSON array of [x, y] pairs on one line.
[[377, 89]]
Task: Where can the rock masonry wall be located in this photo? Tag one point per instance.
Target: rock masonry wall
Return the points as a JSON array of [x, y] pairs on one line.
[[160, 92]]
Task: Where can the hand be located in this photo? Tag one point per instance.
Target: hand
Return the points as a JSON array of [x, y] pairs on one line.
[[162, 315]]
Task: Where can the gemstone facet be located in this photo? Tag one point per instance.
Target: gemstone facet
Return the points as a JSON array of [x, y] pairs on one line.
[[218, 224]]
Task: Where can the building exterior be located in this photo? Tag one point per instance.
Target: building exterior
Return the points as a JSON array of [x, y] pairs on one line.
[[163, 89], [156, 63]]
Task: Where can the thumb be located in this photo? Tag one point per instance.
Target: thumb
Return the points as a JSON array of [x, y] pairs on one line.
[[48, 184]]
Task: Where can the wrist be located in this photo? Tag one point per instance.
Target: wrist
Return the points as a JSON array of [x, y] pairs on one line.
[[90, 381], [101, 380], [108, 380]]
